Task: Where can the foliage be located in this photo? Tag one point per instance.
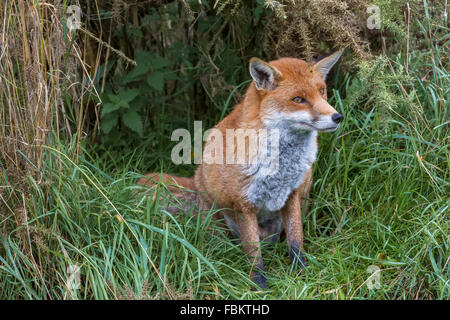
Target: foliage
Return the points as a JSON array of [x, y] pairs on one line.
[[138, 70]]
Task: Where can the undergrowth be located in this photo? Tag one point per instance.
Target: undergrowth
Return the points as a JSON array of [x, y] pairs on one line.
[[379, 198]]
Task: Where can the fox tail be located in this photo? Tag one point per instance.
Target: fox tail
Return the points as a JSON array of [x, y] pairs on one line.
[[182, 188]]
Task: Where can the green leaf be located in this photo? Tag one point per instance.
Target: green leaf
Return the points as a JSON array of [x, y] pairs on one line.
[[108, 108], [124, 104], [113, 98], [128, 95], [136, 72], [133, 121], [138, 103], [158, 62], [259, 10], [142, 57], [109, 122], [156, 80], [145, 63]]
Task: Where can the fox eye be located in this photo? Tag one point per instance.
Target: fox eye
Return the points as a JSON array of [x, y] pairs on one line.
[[298, 100], [322, 91]]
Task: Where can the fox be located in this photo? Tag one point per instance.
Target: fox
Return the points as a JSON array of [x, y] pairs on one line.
[[288, 95]]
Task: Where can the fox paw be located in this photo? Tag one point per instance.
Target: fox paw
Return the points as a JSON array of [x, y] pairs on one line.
[[260, 279], [297, 258], [258, 276]]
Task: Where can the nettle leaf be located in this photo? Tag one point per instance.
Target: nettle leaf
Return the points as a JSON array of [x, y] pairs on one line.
[[109, 122], [133, 121], [108, 108], [159, 62], [156, 80], [113, 98], [143, 57], [146, 62], [138, 103], [259, 9], [136, 72], [128, 95], [124, 104]]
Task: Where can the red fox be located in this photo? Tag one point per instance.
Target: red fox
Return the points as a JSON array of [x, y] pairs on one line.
[[288, 95]]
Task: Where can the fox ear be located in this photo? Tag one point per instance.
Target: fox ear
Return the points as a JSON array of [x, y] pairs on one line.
[[324, 65], [265, 76]]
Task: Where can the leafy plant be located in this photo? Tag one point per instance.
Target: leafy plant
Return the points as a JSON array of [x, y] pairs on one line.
[[150, 67], [149, 74], [121, 106]]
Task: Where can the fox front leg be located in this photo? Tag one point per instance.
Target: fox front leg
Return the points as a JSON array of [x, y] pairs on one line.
[[247, 224], [292, 221]]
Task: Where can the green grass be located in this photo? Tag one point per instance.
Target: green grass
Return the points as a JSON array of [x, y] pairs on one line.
[[380, 198]]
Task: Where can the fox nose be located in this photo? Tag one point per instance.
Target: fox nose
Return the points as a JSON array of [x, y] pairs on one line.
[[337, 117]]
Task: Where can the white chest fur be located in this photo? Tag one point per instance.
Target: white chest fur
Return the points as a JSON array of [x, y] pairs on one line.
[[297, 153]]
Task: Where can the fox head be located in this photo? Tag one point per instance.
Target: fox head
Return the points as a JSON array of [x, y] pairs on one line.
[[293, 94]]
